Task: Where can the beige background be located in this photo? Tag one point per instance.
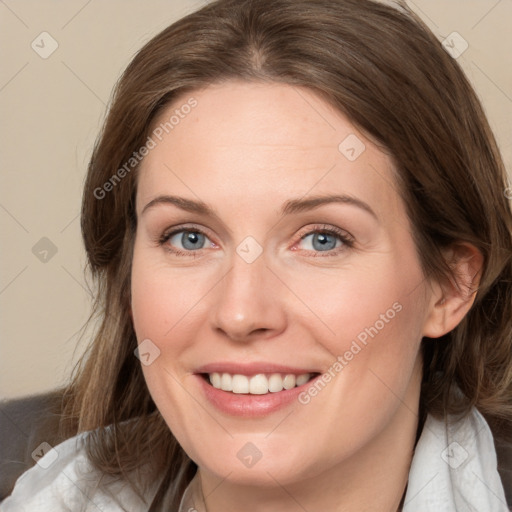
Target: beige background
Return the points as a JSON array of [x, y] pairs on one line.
[[51, 111]]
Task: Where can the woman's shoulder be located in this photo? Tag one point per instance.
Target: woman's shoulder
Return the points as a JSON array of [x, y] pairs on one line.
[[454, 466], [64, 479]]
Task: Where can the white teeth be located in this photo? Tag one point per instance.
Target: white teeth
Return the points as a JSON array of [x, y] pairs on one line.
[[215, 380], [275, 383], [240, 384], [289, 382], [302, 379], [259, 384], [226, 382]]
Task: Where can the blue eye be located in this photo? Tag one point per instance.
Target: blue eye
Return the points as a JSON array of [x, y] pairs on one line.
[[321, 241], [188, 240]]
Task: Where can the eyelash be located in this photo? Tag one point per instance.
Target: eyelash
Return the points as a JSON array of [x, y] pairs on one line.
[[167, 235], [346, 239]]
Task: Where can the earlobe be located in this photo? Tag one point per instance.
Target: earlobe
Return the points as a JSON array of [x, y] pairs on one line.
[[452, 299]]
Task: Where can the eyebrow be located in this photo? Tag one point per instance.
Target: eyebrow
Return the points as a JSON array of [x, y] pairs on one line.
[[188, 205], [289, 207], [299, 205]]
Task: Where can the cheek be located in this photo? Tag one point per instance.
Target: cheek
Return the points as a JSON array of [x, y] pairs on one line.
[[373, 338], [163, 302], [162, 296], [381, 300], [370, 321]]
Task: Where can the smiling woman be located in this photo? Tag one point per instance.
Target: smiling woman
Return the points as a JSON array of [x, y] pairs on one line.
[[305, 286]]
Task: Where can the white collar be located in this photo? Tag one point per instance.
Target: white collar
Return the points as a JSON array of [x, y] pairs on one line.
[[454, 468]]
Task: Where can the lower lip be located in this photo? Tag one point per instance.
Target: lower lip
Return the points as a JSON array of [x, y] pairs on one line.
[[251, 406]]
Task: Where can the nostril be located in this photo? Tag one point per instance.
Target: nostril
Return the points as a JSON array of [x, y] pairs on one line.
[[259, 331]]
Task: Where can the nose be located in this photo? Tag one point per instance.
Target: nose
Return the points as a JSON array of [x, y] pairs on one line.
[[248, 303]]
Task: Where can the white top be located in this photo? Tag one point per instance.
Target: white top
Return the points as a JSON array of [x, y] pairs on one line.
[[453, 469]]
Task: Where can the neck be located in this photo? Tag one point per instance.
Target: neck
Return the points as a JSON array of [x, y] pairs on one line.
[[374, 478]]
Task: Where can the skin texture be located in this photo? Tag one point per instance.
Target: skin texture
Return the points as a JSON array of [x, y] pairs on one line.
[[245, 150]]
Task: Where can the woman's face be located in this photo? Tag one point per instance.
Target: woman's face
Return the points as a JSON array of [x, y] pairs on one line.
[[272, 246]]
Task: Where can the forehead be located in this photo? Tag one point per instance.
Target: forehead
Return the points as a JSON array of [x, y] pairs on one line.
[[259, 141]]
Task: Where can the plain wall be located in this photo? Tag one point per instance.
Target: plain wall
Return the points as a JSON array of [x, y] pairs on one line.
[[51, 110]]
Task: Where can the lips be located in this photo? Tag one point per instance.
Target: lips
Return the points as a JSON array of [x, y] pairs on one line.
[[254, 368], [254, 378], [252, 389]]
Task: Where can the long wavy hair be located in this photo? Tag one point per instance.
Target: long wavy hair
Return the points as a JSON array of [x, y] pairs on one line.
[[384, 69]]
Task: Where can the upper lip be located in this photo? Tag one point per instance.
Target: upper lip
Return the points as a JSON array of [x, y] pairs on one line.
[[251, 368]]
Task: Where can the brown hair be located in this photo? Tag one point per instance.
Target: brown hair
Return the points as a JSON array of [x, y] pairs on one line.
[[381, 67]]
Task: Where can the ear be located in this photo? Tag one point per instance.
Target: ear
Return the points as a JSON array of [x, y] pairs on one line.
[[452, 299]]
